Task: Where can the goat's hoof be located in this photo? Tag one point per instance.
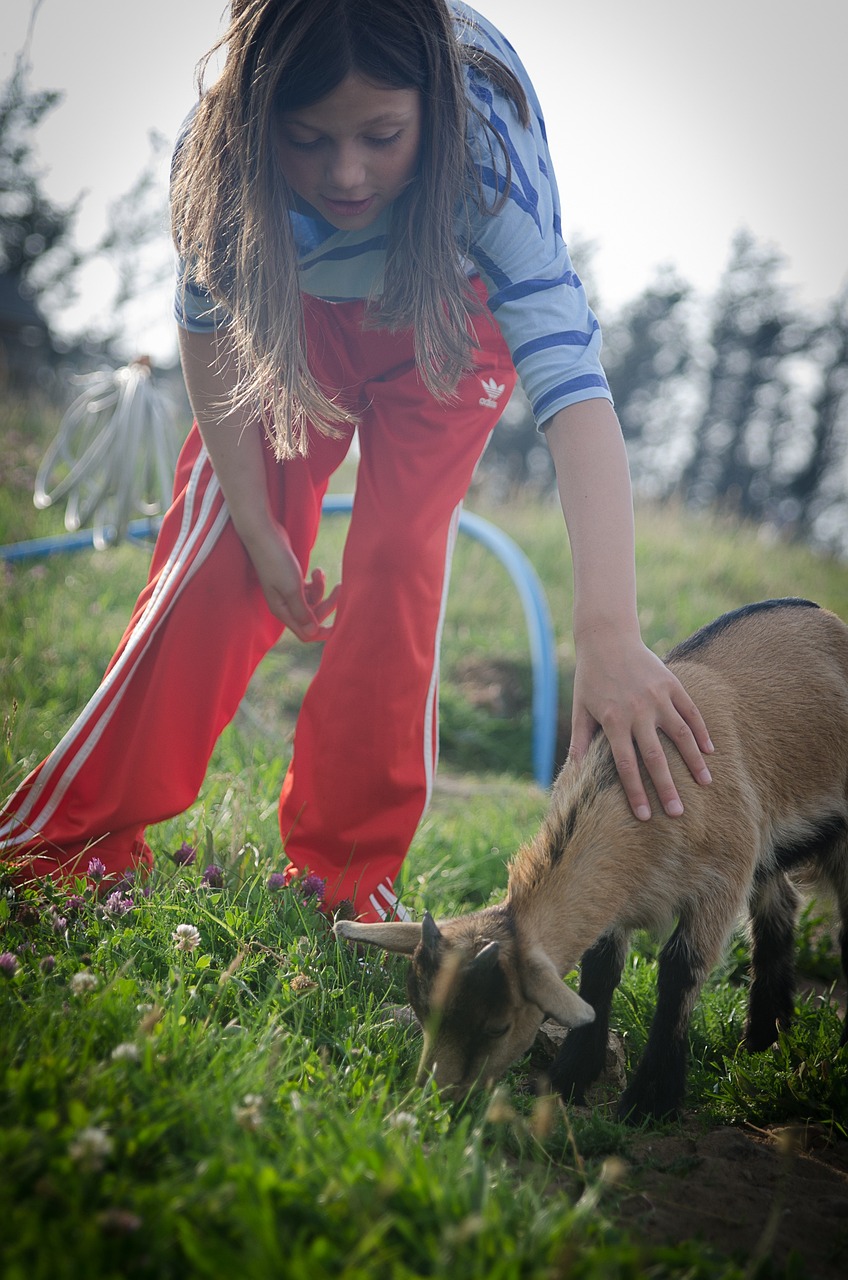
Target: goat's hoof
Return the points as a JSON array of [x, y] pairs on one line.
[[572, 1093], [757, 1041], [636, 1108], [762, 1033]]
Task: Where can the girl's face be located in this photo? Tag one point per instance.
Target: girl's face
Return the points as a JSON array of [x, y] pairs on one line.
[[352, 153]]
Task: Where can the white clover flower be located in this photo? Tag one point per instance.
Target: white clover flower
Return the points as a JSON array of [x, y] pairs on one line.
[[83, 981], [249, 1114], [186, 937], [403, 1120], [90, 1147], [127, 1052]]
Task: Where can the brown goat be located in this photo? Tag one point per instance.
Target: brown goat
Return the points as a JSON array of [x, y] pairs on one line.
[[771, 681]]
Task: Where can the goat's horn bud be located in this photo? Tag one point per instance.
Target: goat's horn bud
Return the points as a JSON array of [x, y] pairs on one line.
[[486, 959], [430, 936]]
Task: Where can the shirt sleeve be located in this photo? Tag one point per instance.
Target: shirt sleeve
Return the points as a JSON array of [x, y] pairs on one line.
[[534, 292], [194, 309]]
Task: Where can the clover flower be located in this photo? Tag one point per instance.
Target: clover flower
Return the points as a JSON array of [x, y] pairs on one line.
[[8, 964], [313, 886], [96, 870], [403, 1120], [119, 1221], [301, 982], [83, 981], [47, 965], [186, 937], [58, 923], [127, 1052], [213, 877], [276, 881], [117, 904], [74, 903], [185, 855], [249, 1114], [90, 1148], [26, 913]]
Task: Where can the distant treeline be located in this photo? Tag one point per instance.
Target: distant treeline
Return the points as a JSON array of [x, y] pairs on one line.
[[740, 402]]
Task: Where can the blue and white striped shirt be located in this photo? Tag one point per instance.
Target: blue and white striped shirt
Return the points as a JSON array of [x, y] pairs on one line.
[[533, 290]]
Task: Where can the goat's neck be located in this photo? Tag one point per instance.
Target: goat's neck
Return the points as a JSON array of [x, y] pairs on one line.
[[562, 903]]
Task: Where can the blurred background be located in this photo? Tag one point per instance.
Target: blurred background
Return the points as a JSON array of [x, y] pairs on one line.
[[698, 152]]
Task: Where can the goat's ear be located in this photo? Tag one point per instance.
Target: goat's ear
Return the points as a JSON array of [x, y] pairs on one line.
[[401, 936], [541, 983]]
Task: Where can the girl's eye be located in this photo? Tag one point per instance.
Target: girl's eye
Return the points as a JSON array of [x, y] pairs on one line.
[[304, 146], [384, 142]]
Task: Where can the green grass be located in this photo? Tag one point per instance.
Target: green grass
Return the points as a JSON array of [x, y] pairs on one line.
[[263, 1119]]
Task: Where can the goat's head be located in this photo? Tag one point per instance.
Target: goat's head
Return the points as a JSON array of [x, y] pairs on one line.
[[479, 995]]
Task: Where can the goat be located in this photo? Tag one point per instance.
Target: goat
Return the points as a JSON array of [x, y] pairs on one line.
[[771, 681]]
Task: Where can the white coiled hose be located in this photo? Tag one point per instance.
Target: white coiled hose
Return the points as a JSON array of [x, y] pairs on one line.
[[115, 453]]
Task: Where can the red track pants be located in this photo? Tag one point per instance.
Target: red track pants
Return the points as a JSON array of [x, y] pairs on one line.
[[366, 741]]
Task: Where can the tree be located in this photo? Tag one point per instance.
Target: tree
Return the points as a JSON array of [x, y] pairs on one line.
[[36, 249], [737, 457], [817, 492], [40, 263], [648, 361]]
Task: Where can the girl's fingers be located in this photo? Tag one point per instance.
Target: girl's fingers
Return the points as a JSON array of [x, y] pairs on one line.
[[583, 728], [655, 760], [694, 721], [321, 608], [627, 765]]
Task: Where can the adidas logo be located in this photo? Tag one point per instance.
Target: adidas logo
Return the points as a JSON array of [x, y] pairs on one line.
[[493, 393]]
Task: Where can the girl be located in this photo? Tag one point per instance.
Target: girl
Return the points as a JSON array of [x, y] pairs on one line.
[[369, 234]]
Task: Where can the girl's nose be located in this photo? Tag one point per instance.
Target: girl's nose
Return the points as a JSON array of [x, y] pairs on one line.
[[345, 169]]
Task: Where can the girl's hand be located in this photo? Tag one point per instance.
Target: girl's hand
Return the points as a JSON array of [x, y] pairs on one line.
[[623, 688], [300, 605]]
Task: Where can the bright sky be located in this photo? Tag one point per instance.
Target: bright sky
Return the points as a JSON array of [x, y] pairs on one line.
[[672, 124]]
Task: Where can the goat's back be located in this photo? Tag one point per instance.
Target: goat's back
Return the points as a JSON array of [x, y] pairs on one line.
[[771, 681]]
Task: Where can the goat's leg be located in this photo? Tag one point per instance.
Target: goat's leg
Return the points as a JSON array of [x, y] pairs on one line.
[[583, 1053], [658, 1085], [771, 1002], [835, 866]]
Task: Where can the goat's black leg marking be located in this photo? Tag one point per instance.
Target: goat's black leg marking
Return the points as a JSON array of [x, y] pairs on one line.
[[659, 1083], [831, 856], [771, 1001], [583, 1053], [836, 869]]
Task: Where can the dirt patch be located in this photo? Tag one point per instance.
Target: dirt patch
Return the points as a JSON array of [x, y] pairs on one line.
[[749, 1194], [494, 685]]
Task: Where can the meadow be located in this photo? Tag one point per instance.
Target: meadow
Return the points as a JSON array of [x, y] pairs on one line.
[[196, 1080]]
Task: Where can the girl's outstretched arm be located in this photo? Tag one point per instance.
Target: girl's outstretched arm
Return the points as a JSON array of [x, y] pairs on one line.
[[619, 684], [235, 447]]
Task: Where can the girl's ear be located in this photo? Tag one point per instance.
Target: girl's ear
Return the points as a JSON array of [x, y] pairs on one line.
[[401, 936]]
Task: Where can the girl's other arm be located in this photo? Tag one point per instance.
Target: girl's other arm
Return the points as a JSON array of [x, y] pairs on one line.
[[619, 684], [236, 447]]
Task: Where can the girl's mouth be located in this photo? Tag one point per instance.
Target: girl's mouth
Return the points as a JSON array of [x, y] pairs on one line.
[[348, 208]]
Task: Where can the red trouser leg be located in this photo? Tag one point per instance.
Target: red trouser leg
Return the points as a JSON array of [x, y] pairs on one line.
[[139, 750], [366, 739]]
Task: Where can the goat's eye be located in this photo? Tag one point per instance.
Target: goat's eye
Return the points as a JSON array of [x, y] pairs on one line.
[[497, 1033]]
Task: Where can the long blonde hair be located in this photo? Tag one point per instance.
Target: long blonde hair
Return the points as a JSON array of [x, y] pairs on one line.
[[228, 192]]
